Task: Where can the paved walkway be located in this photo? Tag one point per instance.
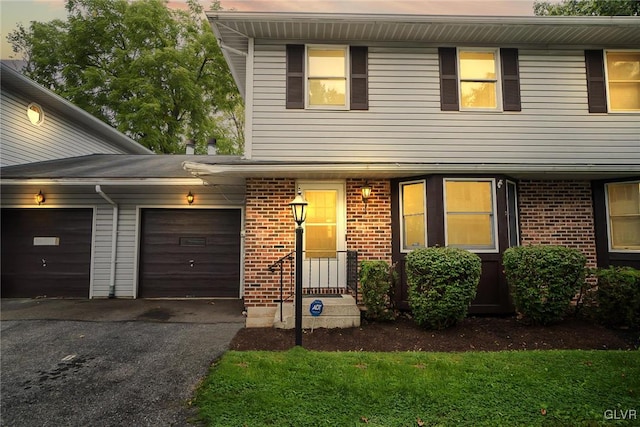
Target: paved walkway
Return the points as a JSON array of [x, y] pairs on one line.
[[108, 362]]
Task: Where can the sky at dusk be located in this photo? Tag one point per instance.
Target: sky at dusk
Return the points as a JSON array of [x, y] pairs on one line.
[[13, 12]]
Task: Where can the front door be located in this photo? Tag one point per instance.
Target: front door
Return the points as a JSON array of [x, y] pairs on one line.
[[324, 235]]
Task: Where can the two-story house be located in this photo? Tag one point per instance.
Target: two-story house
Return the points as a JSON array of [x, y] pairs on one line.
[[474, 132]]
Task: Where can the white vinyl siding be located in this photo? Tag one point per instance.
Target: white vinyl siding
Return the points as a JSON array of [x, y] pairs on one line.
[[56, 137], [404, 122]]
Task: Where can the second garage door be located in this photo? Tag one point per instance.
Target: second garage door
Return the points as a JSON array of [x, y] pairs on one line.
[[190, 253]]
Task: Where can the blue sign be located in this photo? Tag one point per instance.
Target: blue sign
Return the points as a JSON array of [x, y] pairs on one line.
[[316, 308]]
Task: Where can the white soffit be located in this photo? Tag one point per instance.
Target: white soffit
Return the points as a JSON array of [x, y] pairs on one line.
[[234, 29]]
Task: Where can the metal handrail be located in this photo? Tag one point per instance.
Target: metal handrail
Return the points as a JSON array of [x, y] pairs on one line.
[[350, 280]]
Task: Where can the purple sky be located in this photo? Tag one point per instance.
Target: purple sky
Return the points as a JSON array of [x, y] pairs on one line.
[[427, 7], [13, 12]]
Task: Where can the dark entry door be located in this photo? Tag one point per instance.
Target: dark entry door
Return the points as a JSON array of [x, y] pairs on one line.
[[46, 252], [190, 253], [460, 211]]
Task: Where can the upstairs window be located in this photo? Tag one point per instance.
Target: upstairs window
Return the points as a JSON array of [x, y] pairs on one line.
[[327, 77], [623, 208], [479, 79], [623, 81], [613, 81]]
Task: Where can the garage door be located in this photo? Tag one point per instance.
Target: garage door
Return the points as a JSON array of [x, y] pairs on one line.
[[46, 252], [190, 253]]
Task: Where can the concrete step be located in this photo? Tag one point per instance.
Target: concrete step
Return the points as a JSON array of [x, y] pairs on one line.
[[338, 311]]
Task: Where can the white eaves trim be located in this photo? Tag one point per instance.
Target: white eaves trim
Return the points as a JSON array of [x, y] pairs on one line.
[[104, 181], [397, 170], [306, 17]]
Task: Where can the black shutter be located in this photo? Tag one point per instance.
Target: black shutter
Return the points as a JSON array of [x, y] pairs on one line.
[[594, 61], [295, 76], [510, 80], [359, 78], [448, 79]]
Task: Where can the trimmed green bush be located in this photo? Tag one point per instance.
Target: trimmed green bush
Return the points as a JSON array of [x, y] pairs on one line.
[[376, 283], [617, 299], [442, 283], [544, 280]]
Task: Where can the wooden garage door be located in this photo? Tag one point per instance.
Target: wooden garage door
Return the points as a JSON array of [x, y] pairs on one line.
[[46, 252], [190, 253]]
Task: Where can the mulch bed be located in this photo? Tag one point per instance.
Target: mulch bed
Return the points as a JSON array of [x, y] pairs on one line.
[[472, 334]]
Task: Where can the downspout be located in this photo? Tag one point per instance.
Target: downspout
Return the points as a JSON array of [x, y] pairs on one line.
[[114, 242]]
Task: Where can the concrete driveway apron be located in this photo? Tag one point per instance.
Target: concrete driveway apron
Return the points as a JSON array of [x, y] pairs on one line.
[[109, 362]]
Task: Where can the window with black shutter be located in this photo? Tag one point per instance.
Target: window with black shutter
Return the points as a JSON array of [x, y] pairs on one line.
[[473, 79], [316, 77]]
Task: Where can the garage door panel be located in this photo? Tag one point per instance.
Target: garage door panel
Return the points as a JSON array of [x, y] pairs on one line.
[[172, 238], [46, 252]]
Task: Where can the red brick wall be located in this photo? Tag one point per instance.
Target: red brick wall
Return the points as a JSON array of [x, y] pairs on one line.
[[369, 232], [270, 231], [270, 234], [558, 213]]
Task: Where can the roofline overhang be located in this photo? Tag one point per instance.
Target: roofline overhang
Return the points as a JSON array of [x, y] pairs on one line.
[[400, 170], [312, 17], [104, 181]]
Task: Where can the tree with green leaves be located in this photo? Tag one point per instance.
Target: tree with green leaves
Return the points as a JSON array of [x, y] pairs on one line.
[[154, 73], [587, 8]]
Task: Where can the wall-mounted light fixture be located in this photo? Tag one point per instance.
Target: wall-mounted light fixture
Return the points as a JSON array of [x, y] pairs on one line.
[[190, 198], [40, 199], [366, 194]]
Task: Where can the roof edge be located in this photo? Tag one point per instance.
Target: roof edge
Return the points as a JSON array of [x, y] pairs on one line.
[[418, 19], [11, 77]]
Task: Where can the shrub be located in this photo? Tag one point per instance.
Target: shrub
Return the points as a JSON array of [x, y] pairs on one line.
[[376, 281], [617, 298], [442, 283], [544, 280]]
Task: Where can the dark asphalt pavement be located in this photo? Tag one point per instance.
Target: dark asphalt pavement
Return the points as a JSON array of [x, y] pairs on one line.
[[136, 365]]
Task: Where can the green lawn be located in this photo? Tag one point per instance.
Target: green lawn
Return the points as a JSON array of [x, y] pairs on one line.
[[305, 388]]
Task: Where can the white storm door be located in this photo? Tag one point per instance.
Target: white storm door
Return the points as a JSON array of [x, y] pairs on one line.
[[324, 244]]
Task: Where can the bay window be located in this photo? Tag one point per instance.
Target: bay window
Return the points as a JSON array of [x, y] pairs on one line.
[[623, 215]]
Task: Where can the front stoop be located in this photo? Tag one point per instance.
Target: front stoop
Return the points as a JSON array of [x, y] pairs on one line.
[[339, 311]]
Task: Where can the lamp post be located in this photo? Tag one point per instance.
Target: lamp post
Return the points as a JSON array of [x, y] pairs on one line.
[[299, 210]]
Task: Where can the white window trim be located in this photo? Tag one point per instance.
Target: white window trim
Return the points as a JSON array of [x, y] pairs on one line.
[[606, 82], [496, 52], [608, 219], [496, 243], [401, 212], [347, 74]]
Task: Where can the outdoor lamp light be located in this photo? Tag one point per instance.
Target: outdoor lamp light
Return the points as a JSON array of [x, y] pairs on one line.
[[190, 198], [366, 194], [35, 114], [299, 209], [40, 198]]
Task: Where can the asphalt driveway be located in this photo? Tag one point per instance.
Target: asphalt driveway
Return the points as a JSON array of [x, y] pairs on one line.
[[108, 362]]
